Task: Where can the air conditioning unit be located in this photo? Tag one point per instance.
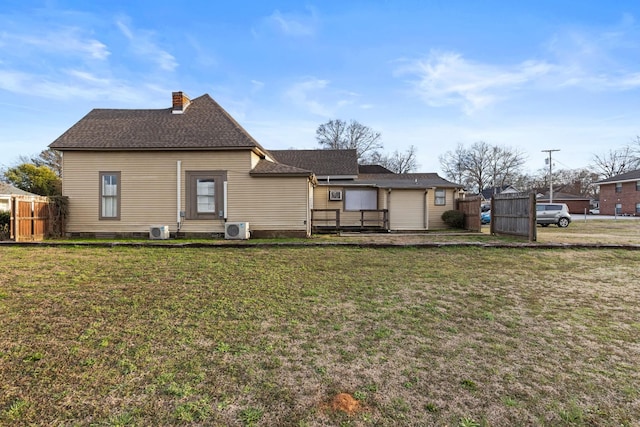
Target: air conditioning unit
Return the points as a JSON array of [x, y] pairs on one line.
[[159, 232], [335, 195], [236, 230]]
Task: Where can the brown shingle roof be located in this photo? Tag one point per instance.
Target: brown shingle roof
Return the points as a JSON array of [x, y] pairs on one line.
[[203, 125], [267, 168], [343, 163], [373, 169]]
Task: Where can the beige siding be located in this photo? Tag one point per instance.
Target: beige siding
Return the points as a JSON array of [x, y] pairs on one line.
[[435, 212], [407, 210], [347, 218], [149, 191]]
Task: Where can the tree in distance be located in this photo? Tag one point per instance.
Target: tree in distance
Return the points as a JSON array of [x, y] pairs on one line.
[[339, 135]]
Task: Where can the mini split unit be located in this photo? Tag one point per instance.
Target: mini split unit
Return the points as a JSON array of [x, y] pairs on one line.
[[159, 232], [236, 230]]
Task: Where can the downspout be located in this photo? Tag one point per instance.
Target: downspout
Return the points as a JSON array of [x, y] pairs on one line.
[[389, 209], [425, 217], [225, 199], [178, 194]]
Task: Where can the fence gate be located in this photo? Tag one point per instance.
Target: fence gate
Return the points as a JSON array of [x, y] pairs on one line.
[[514, 215], [470, 207], [29, 218]]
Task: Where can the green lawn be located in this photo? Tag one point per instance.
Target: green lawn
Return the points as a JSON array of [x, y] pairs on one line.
[[264, 336]]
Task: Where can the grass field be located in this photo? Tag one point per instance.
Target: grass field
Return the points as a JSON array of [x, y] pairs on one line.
[[311, 336]]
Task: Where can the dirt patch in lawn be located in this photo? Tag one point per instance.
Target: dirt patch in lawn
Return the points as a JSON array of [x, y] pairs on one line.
[[346, 403]]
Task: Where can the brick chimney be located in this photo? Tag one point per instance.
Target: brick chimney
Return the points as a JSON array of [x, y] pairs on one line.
[[180, 102]]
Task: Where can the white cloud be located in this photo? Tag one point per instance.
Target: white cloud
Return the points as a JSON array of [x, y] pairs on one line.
[[447, 78], [294, 24], [301, 95], [69, 41], [317, 97], [143, 45], [88, 77], [79, 85]]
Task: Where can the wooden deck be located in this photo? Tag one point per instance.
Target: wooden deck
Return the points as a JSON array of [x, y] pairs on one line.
[[328, 221]]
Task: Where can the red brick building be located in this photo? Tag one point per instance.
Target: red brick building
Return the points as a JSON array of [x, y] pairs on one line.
[[576, 204], [620, 194]]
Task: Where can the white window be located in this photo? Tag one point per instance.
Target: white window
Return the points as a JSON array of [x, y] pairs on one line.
[[206, 195], [618, 208], [356, 199], [637, 208], [109, 195], [440, 197], [637, 185], [618, 187]]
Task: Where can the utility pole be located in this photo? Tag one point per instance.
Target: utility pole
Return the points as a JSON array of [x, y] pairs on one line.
[[550, 176]]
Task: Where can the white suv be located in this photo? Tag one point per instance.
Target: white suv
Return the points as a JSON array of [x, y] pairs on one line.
[[552, 213]]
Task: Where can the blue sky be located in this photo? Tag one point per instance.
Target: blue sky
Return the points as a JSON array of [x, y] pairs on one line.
[[531, 75]]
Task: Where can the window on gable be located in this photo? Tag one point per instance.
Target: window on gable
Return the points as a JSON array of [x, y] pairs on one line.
[[109, 195], [618, 187], [440, 197], [356, 199], [205, 194]]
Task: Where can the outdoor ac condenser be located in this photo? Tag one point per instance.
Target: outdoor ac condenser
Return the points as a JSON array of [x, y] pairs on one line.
[[159, 232], [236, 230]]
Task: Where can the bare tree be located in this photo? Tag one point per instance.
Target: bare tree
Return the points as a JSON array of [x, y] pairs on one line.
[[479, 164], [50, 158], [338, 134], [453, 164], [506, 164], [482, 164], [615, 162], [579, 182], [398, 162]]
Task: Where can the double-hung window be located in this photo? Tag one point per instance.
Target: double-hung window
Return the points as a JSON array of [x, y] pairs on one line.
[[205, 194], [440, 197], [637, 185], [110, 195], [618, 187]]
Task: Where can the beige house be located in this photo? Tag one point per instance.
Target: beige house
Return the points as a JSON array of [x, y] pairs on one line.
[[193, 170], [191, 167]]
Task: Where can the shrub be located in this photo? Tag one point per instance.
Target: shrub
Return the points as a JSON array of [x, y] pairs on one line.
[[5, 218], [453, 218]]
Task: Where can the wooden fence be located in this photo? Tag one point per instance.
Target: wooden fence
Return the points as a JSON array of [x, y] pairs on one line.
[[29, 218], [470, 207], [514, 214]]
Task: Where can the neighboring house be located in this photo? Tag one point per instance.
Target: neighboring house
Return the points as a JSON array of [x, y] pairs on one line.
[[8, 191], [620, 194], [194, 168], [488, 193], [576, 204]]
